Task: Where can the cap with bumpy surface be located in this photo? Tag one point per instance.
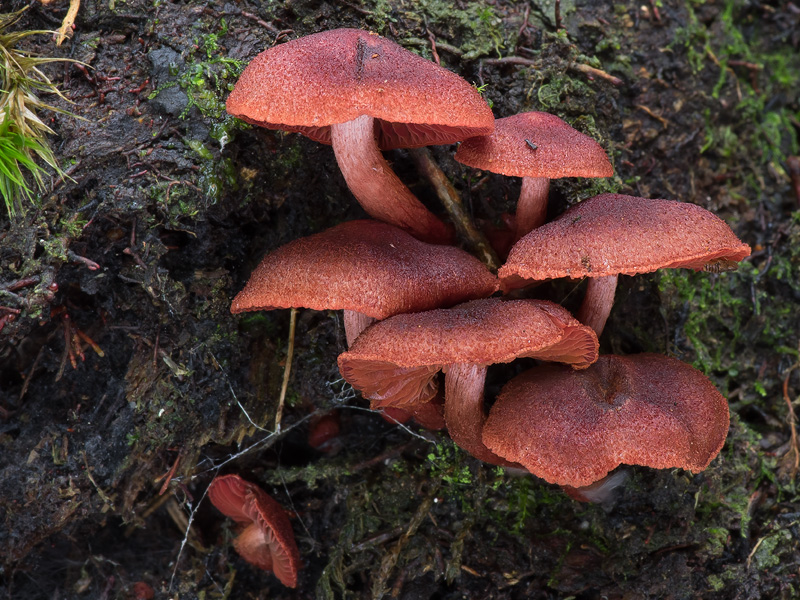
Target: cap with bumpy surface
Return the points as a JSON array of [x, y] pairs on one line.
[[394, 362], [535, 144], [367, 267], [310, 83], [573, 427], [613, 234]]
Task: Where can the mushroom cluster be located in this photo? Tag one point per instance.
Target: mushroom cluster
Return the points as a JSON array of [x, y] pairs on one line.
[[418, 310]]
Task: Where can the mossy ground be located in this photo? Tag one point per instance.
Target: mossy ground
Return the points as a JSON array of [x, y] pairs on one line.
[[176, 203]]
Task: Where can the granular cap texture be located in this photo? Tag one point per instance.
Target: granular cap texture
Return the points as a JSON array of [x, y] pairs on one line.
[[573, 427], [312, 82]]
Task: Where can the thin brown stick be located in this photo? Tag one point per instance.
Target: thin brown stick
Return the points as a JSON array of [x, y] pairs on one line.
[[592, 72], [793, 164], [557, 11], [792, 419], [469, 234], [287, 369]]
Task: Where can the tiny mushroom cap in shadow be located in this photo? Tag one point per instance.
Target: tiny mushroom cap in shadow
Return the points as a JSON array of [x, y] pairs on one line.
[[613, 234], [267, 540], [394, 362], [365, 267], [573, 427], [362, 93], [537, 146]]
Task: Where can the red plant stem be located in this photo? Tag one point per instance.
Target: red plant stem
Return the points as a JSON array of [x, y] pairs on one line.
[[376, 187]]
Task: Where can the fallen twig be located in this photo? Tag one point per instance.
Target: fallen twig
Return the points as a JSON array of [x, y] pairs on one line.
[[451, 200], [592, 72], [287, 369]]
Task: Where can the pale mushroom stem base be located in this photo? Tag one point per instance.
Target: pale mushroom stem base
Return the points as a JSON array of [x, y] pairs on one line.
[[532, 204], [376, 187], [464, 413], [597, 302], [354, 323]]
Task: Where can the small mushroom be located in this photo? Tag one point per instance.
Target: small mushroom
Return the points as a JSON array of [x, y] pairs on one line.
[[364, 267], [363, 93], [538, 147], [573, 427], [266, 539], [611, 235], [323, 432], [395, 362]]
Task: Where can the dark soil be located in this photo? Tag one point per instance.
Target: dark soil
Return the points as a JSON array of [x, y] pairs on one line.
[[104, 463]]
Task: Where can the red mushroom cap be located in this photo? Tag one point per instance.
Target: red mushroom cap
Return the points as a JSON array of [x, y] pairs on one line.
[[267, 540], [310, 83], [572, 427], [394, 362], [364, 266], [613, 234], [536, 144]]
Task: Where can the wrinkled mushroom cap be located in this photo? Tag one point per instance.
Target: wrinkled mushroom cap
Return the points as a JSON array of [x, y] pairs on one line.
[[312, 82], [573, 427], [267, 540], [364, 266], [394, 362], [612, 234], [560, 150]]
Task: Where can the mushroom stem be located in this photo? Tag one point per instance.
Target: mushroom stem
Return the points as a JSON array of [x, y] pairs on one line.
[[354, 323], [376, 187], [463, 411], [597, 302], [532, 204]]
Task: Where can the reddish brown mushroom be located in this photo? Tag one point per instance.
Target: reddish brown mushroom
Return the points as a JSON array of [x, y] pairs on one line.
[[394, 362], [573, 427], [538, 147], [363, 93], [429, 415], [323, 432], [364, 267], [612, 234], [266, 540]]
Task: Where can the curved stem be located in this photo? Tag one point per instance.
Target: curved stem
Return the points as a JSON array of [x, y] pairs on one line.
[[376, 187], [354, 323], [463, 411], [532, 204], [597, 302]]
